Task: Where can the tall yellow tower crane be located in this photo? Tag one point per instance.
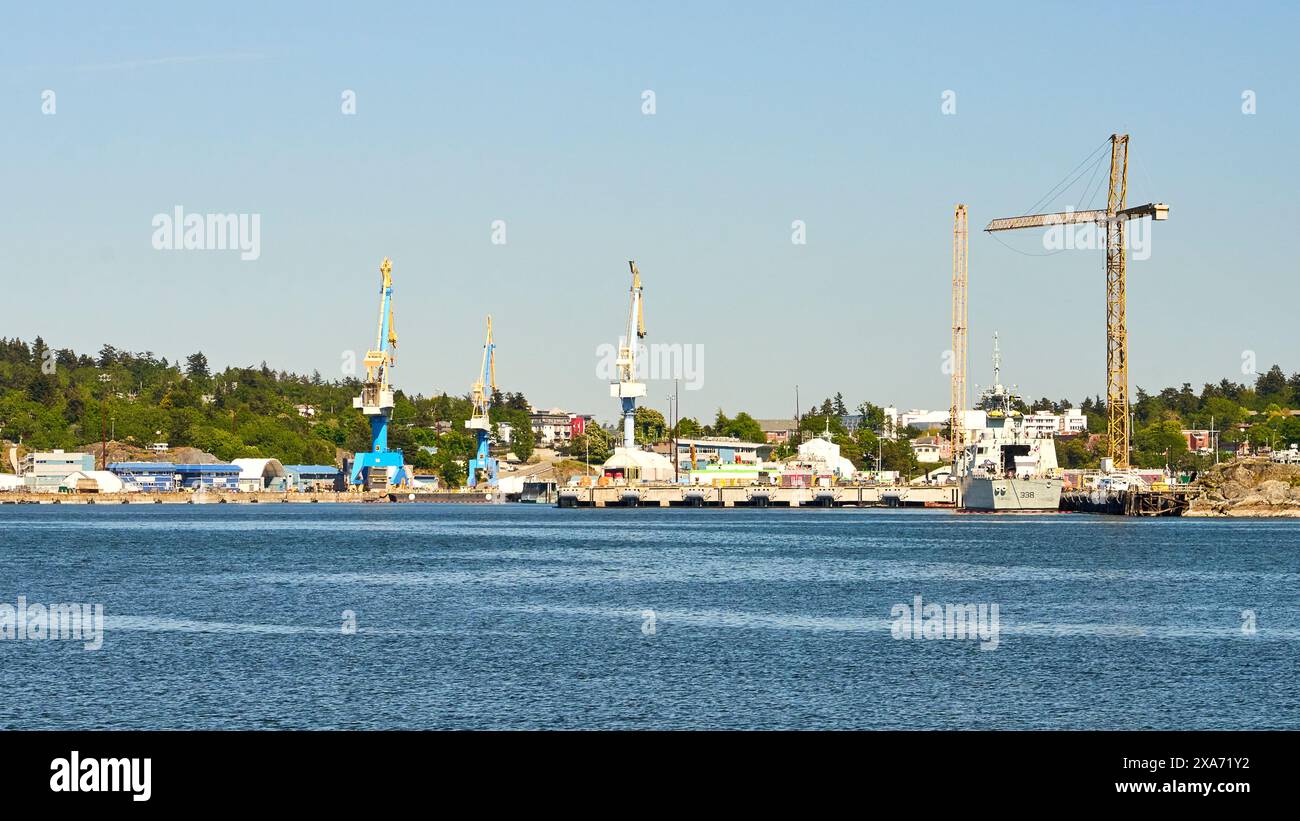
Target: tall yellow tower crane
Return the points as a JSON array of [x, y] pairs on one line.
[[1114, 218], [956, 422]]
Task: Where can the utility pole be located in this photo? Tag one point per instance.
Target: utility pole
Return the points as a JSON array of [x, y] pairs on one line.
[[103, 435], [1132, 426], [798, 431], [1214, 440], [674, 413]]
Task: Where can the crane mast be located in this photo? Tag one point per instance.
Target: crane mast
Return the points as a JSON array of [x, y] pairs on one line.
[[1115, 218], [1117, 413], [956, 422], [483, 466], [376, 400], [627, 389]]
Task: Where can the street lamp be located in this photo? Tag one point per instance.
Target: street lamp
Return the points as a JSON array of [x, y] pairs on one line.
[[672, 421]]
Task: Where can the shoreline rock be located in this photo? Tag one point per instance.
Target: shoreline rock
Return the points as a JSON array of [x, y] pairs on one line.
[[1253, 488]]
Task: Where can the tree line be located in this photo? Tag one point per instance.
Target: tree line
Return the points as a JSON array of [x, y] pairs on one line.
[[60, 399]]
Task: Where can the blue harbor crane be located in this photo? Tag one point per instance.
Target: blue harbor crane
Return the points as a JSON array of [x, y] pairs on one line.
[[483, 467], [376, 400]]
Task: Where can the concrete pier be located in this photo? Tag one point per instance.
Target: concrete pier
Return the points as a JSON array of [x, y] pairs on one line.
[[266, 498], [758, 496]]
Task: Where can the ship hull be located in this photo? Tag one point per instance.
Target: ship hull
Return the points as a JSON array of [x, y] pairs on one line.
[[1010, 494]]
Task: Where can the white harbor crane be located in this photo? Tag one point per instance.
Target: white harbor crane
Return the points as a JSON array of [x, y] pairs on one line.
[[627, 389]]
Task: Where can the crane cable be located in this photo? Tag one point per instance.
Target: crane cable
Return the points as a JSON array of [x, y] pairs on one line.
[[1066, 181], [1065, 184]]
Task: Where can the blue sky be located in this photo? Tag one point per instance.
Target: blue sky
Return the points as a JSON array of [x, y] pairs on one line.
[[766, 113]]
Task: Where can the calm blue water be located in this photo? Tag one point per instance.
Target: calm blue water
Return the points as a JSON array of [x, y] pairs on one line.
[[526, 616]]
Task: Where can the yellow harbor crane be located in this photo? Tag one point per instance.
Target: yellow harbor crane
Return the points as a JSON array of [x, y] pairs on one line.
[[1114, 217], [956, 422]]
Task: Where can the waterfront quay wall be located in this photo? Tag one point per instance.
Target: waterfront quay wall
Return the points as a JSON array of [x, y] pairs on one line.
[[213, 497], [758, 496]]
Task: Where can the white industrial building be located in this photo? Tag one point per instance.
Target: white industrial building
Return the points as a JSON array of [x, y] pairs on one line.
[[261, 474], [825, 455], [45, 472]]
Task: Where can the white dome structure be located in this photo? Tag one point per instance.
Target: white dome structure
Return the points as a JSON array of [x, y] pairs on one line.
[[824, 451], [639, 465], [256, 474], [103, 481]]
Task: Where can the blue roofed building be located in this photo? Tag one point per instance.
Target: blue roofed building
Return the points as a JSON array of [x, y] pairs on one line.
[[312, 478], [147, 477], [209, 477]]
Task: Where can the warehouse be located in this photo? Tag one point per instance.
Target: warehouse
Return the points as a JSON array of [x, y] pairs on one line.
[[311, 478], [150, 477], [45, 472], [208, 477], [256, 475]]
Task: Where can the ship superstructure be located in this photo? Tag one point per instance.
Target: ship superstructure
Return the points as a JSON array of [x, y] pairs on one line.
[[1006, 465]]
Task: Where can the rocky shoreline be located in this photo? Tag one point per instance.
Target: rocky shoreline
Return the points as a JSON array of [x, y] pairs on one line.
[[1249, 488]]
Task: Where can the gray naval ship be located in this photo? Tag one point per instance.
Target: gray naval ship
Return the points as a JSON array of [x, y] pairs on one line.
[[1005, 466]]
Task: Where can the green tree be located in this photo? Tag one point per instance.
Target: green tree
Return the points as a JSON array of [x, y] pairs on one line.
[[746, 428], [1159, 443], [897, 454], [1072, 453], [688, 428], [869, 445], [873, 416], [1271, 386], [522, 439], [649, 426], [196, 366], [595, 443]]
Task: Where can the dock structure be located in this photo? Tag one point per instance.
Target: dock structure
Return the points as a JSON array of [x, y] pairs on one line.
[[676, 495], [465, 496], [1171, 502]]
